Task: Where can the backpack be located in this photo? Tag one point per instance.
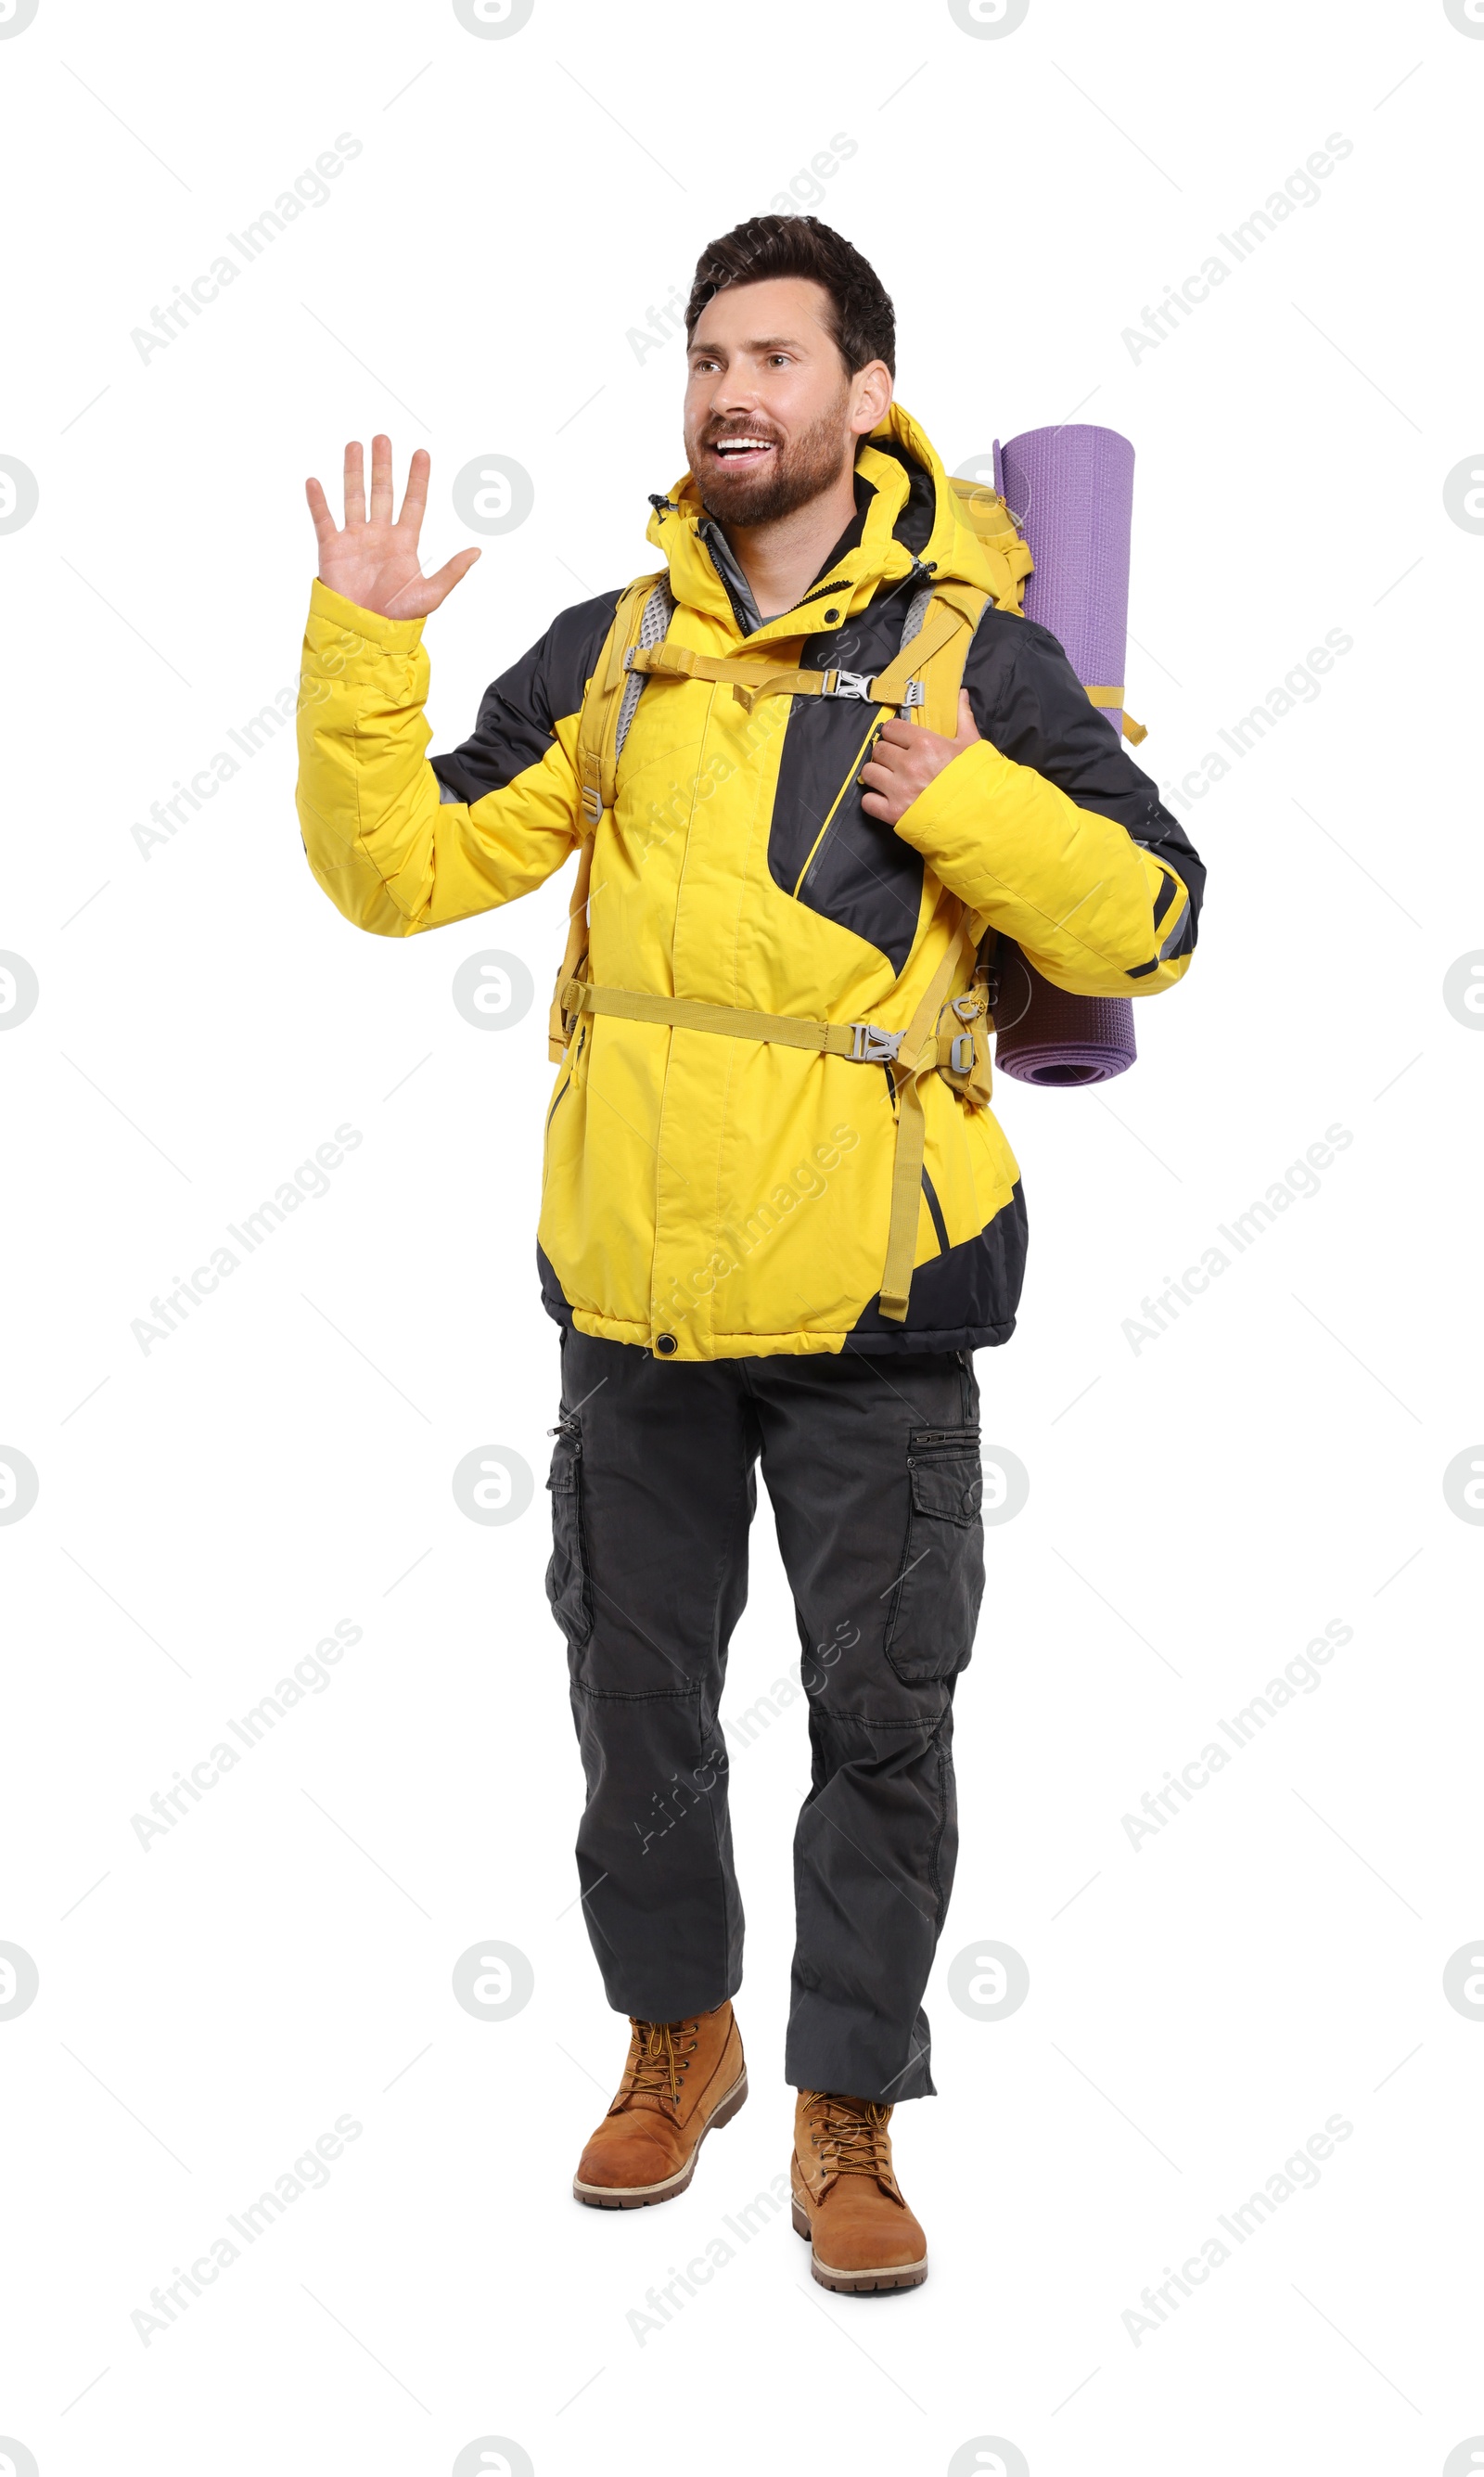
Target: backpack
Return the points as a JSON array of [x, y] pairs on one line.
[[939, 625], [949, 1034]]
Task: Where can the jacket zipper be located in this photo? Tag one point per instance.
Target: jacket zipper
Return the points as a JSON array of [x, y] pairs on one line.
[[854, 768]]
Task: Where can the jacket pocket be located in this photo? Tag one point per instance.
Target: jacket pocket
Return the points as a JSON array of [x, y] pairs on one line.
[[568, 1585], [935, 1606]]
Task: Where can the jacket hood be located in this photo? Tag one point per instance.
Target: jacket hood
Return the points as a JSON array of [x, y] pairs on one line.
[[910, 521]]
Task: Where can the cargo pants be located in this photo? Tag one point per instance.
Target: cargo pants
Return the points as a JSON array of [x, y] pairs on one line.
[[872, 1469]]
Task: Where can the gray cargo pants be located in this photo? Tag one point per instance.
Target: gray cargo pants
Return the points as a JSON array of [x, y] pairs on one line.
[[872, 1469]]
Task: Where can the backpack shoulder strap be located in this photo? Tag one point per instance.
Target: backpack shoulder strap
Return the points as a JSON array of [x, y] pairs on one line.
[[608, 710], [942, 619], [936, 639], [644, 608]]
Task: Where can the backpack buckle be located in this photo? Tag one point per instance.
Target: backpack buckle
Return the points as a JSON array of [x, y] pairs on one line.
[[872, 1046], [848, 684], [915, 692]]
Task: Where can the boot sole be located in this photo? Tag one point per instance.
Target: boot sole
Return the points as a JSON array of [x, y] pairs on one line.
[[857, 2282], [640, 2197]]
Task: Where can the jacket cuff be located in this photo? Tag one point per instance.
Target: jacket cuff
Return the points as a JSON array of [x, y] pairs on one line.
[[966, 781], [387, 636]]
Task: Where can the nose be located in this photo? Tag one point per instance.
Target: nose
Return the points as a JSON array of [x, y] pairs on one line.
[[732, 394]]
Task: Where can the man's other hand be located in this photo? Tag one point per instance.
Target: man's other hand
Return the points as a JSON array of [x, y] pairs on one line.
[[372, 560], [904, 759]]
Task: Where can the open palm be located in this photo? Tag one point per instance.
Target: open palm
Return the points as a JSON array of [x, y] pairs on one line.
[[373, 559]]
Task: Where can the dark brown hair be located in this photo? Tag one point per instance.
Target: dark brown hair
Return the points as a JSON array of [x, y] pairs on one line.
[[861, 319]]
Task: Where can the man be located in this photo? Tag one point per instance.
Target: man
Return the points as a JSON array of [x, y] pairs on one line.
[[787, 887]]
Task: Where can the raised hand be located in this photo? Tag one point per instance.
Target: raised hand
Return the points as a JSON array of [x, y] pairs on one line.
[[372, 560]]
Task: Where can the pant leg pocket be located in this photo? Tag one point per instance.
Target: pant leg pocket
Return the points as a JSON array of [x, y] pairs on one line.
[[934, 1604], [568, 1583]]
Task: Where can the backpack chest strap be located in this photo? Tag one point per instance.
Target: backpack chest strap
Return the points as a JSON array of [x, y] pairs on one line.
[[751, 676]]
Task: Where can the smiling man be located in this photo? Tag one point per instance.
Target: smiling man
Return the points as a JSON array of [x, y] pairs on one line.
[[811, 770]]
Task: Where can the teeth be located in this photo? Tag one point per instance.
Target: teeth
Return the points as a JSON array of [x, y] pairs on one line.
[[737, 444]]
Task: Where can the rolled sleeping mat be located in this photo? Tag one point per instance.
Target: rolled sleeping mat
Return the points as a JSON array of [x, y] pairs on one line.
[[1073, 491]]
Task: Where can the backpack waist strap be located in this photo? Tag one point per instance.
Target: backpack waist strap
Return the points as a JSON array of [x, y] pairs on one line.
[[865, 1042], [910, 1057]]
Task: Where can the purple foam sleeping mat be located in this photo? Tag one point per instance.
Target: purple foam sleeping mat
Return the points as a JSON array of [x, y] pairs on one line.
[[1071, 490]]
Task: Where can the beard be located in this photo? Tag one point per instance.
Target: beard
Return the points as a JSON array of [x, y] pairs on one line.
[[798, 470]]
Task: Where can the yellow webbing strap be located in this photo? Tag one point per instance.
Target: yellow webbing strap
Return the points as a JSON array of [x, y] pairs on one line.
[[695, 1015], [917, 1058], [683, 662], [952, 608], [573, 953], [598, 722], [1134, 732], [943, 621], [596, 770], [751, 676], [748, 676]]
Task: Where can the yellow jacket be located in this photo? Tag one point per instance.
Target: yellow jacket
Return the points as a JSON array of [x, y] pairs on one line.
[[712, 1197]]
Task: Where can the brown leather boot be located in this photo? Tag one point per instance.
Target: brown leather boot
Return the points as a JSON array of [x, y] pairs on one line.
[[846, 2198], [681, 2077]]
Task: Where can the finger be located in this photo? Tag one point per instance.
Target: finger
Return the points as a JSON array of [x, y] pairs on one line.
[[423, 593], [355, 484], [968, 728], [414, 498], [319, 510], [877, 778], [895, 764], [381, 479], [875, 804], [898, 730], [442, 583]]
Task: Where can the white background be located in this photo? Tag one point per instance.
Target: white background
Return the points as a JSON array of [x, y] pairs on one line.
[[1198, 2006]]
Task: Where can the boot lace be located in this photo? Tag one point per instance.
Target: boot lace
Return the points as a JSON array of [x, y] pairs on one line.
[[663, 2050], [850, 2135]]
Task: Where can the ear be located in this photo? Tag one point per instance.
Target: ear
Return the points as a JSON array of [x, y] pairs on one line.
[[871, 390]]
